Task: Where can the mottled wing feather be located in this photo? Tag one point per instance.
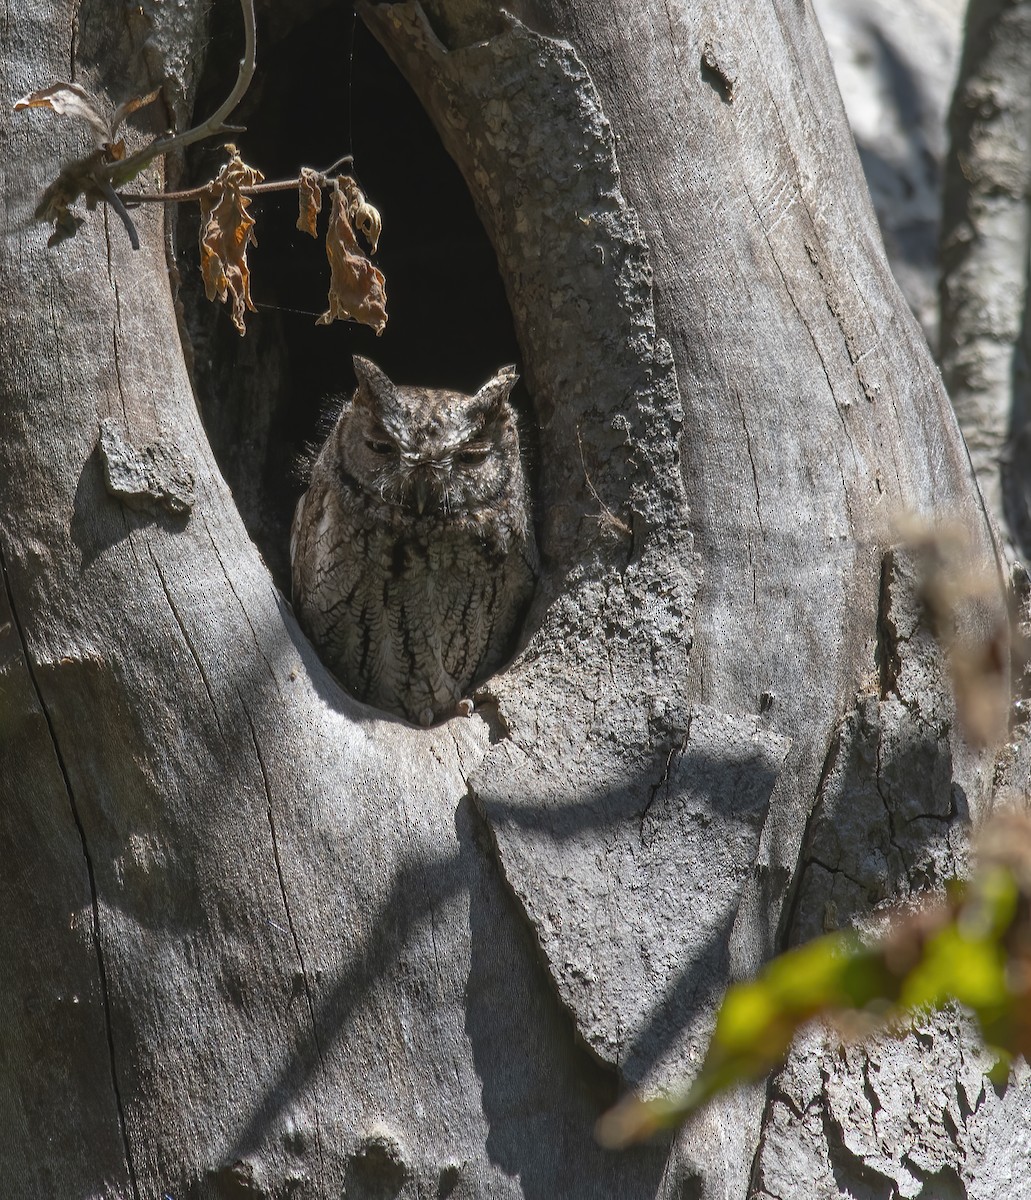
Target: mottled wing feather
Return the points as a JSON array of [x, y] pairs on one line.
[[409, 611]]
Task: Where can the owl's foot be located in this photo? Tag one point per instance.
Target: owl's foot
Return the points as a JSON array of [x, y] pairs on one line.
[[462, 708]]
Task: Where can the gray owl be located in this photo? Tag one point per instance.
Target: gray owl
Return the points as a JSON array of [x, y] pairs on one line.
[[412, 550]]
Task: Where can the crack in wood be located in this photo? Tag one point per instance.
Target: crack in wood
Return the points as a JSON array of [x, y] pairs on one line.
[[309, 1000], [102, 979], [243, 607], [189, 642]]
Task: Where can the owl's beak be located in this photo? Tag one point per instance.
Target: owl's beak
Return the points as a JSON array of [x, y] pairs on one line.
[[421, 489]]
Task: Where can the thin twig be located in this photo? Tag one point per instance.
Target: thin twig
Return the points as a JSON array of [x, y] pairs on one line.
[[129, 167], [331, 170], [255, 189], [113, 198], [325, 179]]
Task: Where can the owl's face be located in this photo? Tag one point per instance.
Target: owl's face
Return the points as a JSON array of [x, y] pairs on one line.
[[428, 451]]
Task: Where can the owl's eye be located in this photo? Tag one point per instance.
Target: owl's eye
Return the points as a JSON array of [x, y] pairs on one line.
[[378, 447], [472, 456]]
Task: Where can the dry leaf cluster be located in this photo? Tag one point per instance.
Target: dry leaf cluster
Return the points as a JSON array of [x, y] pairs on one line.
[[83, 176], [357, 289], [227, 229]]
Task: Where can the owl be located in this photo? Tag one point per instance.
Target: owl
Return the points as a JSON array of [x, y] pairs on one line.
[[412, 552]]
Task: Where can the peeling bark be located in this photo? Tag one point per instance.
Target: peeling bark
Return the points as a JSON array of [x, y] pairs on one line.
[[909, 1117], [899, 785]]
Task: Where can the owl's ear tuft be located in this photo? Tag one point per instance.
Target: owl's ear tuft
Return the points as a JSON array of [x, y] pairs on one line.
[[373, 384], [496, 391]]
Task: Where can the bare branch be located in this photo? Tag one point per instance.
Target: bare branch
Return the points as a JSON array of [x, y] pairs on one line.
[[122, 172], [257, 189], [113, 198]]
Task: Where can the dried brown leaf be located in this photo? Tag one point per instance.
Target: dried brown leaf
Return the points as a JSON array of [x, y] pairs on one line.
[[72, 100], [357, 289], [85, 176], [227, 229], [69, 100], [364, 217], [130, 106], [309, 195]]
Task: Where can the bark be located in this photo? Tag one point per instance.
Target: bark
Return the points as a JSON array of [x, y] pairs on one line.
[[986, 240], [896, 67], [269, 942]]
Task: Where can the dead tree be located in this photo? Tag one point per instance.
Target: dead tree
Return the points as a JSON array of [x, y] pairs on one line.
[[262, 941]]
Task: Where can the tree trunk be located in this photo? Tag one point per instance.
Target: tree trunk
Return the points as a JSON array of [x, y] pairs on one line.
[[896, 67], [986, 240], [268, 942]]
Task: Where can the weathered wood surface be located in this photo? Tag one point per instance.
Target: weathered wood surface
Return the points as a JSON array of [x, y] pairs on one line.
[[896, 67], [985, 246], [267, 942]]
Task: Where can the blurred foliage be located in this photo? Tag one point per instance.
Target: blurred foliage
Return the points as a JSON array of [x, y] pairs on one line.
[[973, 948]]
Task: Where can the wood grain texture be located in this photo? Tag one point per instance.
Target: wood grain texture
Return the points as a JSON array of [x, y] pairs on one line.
[[321, 950], [698, 217], [297, 964]]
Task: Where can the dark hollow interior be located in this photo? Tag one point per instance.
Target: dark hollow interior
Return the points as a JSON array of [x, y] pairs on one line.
[[324, 88]]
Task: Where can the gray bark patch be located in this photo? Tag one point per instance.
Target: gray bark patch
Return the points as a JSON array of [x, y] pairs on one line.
[[628, 827], [633, 887], [893, 1117], [898, 785], [153, 478], [899, 1117]]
